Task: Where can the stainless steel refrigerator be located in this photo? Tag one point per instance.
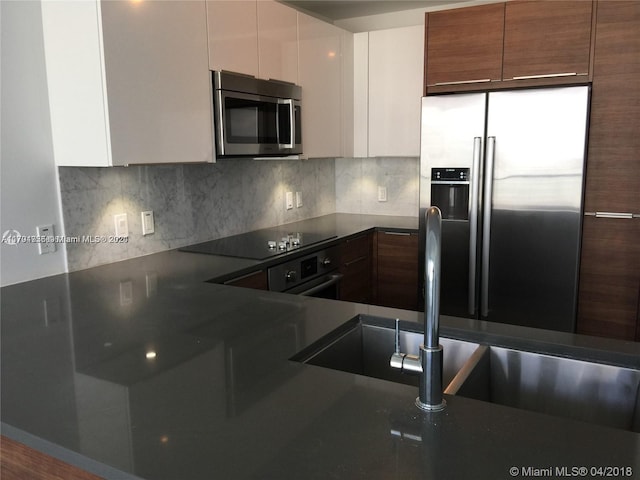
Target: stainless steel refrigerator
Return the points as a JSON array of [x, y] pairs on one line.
[[506, 169]]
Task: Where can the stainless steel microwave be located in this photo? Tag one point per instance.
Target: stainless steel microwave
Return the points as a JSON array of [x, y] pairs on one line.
[[256, 118]]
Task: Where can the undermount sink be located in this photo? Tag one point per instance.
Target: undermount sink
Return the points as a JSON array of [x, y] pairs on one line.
[[592, 392], [365, 344]]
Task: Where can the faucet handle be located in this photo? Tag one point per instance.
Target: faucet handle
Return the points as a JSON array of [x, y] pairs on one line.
[[397, 359]]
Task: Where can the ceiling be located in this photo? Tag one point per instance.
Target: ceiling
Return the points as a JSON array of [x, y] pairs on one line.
[[345, 9]]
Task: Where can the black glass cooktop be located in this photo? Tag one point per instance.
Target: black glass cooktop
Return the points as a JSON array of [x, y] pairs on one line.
[[258, 245]]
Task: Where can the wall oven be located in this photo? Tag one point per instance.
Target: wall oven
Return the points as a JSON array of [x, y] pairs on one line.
[[313, 275], [256, 118]]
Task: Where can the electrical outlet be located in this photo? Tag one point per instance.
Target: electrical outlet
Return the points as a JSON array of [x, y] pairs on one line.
[[289, 200], [46, 244], [122, 225], [148, 226], [298, 199], [382, 193]]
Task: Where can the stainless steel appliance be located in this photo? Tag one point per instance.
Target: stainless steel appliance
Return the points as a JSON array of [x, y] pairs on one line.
[[314, 275], [256, 118], [260, 244], [506, 170]]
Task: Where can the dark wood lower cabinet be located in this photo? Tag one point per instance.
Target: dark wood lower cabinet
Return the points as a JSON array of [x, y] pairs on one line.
[[609, 295], [355, 266], [19, 462], [395, 265]]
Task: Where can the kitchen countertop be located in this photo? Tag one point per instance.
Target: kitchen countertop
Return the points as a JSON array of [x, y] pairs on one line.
[[221, 399]]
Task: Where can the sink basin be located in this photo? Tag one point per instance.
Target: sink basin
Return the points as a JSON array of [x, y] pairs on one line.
[[597, 393], [364, 346], [592, 392]]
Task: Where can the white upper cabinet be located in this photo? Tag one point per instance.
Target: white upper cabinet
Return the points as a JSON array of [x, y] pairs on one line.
[[277, 41], [258, 38], [233, 35], [128, 82], [320, 70], [395, 82]]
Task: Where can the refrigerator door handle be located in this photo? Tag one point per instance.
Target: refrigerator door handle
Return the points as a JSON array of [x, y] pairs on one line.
[[473, 221], [486, 225]]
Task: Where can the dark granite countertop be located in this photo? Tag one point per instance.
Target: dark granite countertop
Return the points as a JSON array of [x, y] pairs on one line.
[[221, 399]]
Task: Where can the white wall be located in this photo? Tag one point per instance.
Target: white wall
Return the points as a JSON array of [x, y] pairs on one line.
[[29, 193]]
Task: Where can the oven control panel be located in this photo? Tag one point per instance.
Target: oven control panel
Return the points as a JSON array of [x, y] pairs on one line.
[[293, 273]]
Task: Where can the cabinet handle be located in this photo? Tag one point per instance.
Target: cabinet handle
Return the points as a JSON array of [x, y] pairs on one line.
[[547, 75], [460, 82], [618, 215], [359, 259], [402, 234]]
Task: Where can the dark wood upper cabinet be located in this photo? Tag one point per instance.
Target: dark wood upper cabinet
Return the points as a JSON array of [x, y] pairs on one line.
[[520, 43], [547, 38], [464, 45], [613, 167]]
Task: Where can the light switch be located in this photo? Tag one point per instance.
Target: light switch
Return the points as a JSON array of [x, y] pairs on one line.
[[289, 200], [382, 193], [148, 226], [122, 225], [298, 199], [46, 242]]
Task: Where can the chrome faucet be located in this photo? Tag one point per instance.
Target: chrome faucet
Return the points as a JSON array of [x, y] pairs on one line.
[[429, 363]]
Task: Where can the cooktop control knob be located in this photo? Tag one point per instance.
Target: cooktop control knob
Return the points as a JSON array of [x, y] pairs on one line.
[[282, 246], [290, 276], [271, 244]]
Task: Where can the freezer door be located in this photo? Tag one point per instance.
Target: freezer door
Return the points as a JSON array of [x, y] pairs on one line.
[[532, 206], [453, 127]]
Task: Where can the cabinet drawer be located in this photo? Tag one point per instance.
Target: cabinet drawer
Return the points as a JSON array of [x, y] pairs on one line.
[[354, 248], [355, 265]]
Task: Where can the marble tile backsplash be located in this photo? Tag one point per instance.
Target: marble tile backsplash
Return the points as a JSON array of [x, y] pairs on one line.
[[191, 203], [357, 181]]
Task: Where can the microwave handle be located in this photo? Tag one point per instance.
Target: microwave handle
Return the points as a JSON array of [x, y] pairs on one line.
[[292, 123]]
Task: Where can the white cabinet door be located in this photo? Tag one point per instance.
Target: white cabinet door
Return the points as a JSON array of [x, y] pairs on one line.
[[77, 103], [396, 59], [233, 35], [321, 80], [158, 82], [277, 41], [128, 82]]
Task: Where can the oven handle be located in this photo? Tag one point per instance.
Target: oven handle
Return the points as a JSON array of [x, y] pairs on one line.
[[333, 279]]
